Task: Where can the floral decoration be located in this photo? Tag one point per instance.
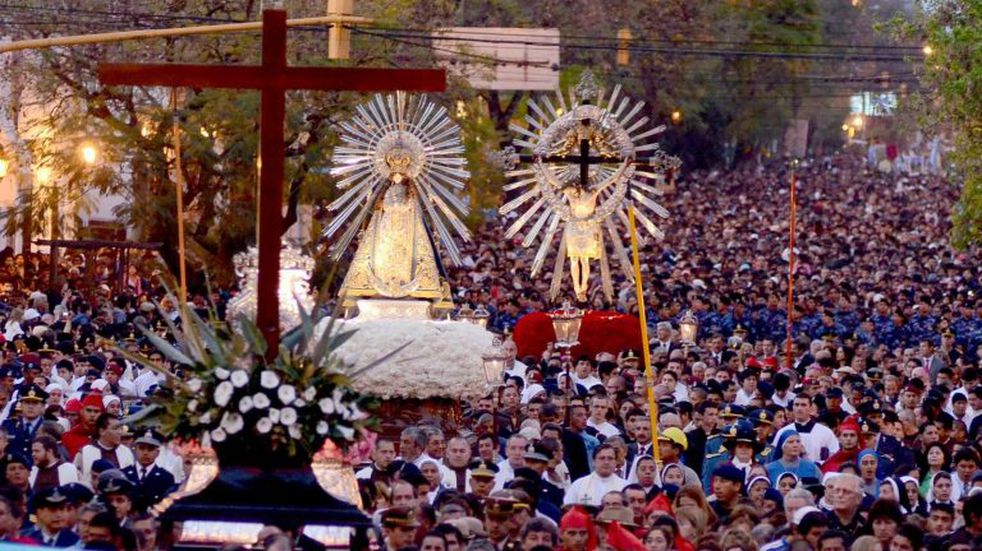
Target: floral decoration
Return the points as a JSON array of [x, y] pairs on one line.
[[228, 395]]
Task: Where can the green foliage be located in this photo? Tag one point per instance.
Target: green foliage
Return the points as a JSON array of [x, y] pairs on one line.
[[951, 98]]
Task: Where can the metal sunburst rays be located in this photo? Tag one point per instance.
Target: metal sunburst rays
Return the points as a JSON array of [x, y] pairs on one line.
[[621, 132], [438, 168]]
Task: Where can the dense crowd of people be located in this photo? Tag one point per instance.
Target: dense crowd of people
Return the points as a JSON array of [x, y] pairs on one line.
[[868, 440]]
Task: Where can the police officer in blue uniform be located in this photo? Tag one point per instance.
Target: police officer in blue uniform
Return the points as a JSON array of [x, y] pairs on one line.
[[49, 530], [21, 431], [151, 482]]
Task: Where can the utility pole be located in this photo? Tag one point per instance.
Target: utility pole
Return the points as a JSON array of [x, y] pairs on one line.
[[338, 37]]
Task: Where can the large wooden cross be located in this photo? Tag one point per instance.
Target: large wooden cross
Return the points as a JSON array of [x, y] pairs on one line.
[[274, 78]]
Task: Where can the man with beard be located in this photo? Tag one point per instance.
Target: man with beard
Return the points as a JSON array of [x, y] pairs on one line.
[[49, 471]]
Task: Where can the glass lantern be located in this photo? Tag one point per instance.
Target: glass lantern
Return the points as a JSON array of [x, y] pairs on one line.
[[566, 323], [689, 328], [496, 360]]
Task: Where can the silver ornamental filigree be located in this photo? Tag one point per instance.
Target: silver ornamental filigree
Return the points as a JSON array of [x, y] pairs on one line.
[[587, 88], [294, 285]]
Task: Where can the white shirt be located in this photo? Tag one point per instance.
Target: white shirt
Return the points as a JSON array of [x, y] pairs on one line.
[[604, 428], [587, 382], [813, 442], [742, 398], [591, 489], [505, 473], [783, 401], [681, 393]]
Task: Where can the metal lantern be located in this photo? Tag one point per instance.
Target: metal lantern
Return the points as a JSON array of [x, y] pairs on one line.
[[477, 317], [496, 360], [689, 328], [481, 317], [566, 323]]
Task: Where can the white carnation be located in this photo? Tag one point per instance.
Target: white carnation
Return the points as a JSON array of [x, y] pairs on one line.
[[299, 402], [192, 405], [268, 379], [357, 414], [326, 405], [260, 400], [288, 416], [194, 385], [240, 378], [222, 373], [232, 423], [205, 418], [347, 432], [218, 435], [310, 394], [294, 432], [274, 415], [264, 425], [245, 404], [322, 427], [287, 394], [223, 393]]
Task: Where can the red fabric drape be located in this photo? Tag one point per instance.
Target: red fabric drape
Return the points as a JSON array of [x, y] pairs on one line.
[[601, 331]]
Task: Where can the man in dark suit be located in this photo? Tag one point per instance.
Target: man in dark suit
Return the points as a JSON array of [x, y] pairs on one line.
[[151, 482], [22, 431], [51, 529], [639, 428]]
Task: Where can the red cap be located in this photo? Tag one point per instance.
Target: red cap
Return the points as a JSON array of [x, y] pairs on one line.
[[771, 362], [115, 368], [577, 519], [73, 406], [94, 400], [660, 503], [850, 424], [752, 362]]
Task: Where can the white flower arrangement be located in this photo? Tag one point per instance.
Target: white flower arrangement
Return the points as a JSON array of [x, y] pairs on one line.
[[439, 359], [233, 398]]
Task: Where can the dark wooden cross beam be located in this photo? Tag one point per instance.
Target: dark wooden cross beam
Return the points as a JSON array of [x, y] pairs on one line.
[[273, 78], [584, 160]]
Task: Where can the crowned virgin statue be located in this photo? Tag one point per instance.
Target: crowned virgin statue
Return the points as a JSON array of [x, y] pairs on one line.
[[400, 166]]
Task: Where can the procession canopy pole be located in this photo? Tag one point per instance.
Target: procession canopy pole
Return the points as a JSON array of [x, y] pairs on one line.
[[179, 183], [649, 377], [100, 38], [791, 261]]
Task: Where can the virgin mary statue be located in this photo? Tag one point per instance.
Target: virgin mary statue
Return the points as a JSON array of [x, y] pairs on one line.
[[395, 258], [400, 169]]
